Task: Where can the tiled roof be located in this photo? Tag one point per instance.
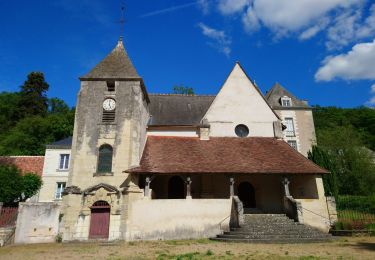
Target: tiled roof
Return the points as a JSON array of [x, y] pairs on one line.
[[26, 164], [274, 95], [263, 155], [61, 144], [174, 109]]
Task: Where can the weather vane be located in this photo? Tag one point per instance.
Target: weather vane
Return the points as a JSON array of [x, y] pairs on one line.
[[122, 20]]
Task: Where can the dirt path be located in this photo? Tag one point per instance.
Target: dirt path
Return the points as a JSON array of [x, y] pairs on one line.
[[344, 248]]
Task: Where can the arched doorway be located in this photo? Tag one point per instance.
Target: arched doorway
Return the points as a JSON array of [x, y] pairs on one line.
[[246, 194], [99, 223], [176, 188]]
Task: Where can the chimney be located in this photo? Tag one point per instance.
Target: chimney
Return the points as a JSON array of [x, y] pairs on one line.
[[204, 130]]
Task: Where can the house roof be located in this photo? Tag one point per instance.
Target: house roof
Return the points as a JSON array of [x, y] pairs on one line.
[[274, 95], [25, 164], [253, 155], [61, 144], [174, 109], [117, 65]]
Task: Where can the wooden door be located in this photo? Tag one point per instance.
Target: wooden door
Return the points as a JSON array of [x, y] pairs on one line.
[[99, 224]]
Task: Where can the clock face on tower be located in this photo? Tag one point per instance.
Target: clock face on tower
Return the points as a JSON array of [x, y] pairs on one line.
[[109, 104]]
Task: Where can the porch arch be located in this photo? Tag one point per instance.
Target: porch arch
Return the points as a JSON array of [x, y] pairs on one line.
[[176, 188], [246, 194]]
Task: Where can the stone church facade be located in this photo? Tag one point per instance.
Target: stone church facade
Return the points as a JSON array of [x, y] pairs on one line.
[[159, 166]]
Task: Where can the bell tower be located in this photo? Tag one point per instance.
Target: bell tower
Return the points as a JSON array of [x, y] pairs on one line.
[[109, 136]]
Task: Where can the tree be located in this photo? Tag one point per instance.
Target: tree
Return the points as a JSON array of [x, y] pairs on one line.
[[8, 110], [324, 160], [10, 184], [33, 98], [31, 185], [14, 187], [181, 89], [57, 106]]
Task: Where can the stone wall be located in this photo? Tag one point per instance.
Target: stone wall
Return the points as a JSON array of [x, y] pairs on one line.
[[177, 218], [37, 222]]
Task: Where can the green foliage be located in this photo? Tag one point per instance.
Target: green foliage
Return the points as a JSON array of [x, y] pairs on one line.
[[31, 184], [322, 158], [343, 138], [11, 185], [361, 119], [26, 125], [33, 98], [181, 89], [364, 204], [14, 187]]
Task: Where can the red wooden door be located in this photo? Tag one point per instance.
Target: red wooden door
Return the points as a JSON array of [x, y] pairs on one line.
[[99, 224]]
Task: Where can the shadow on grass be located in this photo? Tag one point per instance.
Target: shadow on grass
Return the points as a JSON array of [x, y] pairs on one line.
[[364, 245]]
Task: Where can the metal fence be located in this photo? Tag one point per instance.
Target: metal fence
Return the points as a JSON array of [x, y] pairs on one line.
[[355, 213], [8, 216]]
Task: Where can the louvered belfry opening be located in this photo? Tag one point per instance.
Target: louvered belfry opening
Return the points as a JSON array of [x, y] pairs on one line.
[[109, 116]]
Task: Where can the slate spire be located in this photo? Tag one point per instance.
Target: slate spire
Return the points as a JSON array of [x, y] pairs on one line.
[[117, 65]]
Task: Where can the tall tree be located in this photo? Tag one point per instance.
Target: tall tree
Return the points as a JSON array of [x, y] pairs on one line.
[[181, 89], [33, 96]]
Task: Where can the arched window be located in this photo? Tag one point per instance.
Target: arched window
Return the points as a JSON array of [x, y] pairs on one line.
[[105, 159]]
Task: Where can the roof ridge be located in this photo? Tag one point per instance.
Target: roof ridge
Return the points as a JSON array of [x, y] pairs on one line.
[[182, 95]]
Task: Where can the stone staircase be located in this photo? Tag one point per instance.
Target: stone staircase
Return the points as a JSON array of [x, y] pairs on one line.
[[272, 228]]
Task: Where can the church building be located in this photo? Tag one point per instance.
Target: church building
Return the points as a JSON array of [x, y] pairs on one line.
[[168, 166]]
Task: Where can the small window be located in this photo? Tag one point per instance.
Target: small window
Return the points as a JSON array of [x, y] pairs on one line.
[[293, 144], [286, 101], [289, 131], [105, 159], [60, 186], [241, 130], [111, 86], [64, 161]]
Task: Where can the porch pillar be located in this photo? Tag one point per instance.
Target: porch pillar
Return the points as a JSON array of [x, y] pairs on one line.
[[188, 187], [286, 182], [231, 186], [147, 187]]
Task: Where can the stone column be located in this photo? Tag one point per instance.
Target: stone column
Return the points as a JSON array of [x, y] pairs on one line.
[[286, 182], [231, 186], [188, 187]]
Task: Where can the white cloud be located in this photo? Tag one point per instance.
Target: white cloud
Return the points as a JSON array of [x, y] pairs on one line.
[[343, 21], [221, 41], [204, 5], [358, 63], [228, 7], [372, 89], [313, 30]]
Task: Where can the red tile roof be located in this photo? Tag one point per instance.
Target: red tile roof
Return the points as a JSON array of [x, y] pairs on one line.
[[26, 164], [222, 155]]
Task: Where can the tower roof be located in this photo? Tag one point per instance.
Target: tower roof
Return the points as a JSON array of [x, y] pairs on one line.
[[117, 65], [275, 94]]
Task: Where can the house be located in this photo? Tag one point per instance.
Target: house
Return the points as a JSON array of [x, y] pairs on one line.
[[55, 170], [162, 166]]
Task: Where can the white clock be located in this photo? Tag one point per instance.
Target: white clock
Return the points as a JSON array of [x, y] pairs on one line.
[[109, 104]]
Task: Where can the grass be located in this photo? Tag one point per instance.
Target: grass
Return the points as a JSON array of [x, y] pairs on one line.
[[345, 248]]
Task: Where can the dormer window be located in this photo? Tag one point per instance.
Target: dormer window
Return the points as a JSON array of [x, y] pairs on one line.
[[286, 101], [111, 86]]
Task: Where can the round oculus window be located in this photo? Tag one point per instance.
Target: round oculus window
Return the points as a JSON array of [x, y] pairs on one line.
[[241, 130]]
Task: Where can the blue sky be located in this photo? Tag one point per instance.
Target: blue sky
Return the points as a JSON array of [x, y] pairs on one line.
[[320, 50]]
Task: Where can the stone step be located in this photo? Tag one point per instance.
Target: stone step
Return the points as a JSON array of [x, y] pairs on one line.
[[273, 241], [269, 228], [271, 236]]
